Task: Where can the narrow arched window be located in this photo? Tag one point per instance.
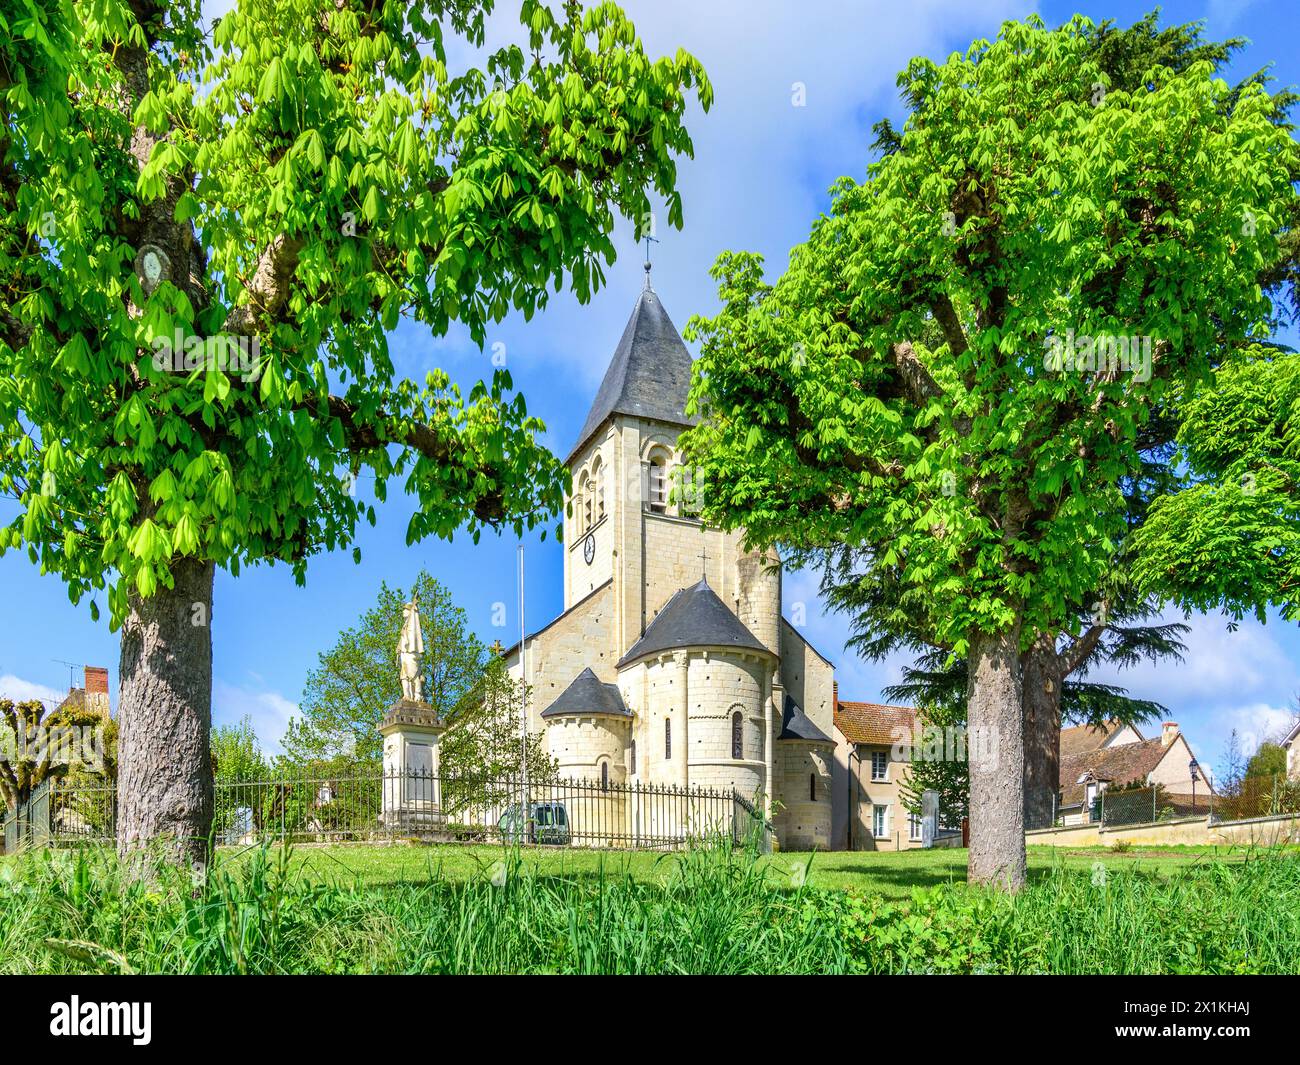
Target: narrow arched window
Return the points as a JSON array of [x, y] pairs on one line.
[[582, 505], [668, 737], [604, 776], [737, 736], [658, 484], [812, 787], [598, 489]]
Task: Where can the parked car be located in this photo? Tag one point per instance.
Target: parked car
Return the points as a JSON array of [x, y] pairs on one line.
[[548, 824]]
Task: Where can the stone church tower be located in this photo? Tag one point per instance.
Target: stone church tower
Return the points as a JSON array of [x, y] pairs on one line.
[[671, 663]]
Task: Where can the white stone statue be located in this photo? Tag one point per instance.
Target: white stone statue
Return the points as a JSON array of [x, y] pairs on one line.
[[410, 646]]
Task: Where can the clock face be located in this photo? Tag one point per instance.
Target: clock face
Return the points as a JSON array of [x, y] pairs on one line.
[[589, 549]]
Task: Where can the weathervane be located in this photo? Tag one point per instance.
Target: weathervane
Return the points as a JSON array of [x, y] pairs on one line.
[[648, 238]]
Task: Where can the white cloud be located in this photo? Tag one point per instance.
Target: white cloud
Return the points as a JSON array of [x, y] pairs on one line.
[[1222, 669], [269, 712], [1259, 722], [761, 165], [20, 690]]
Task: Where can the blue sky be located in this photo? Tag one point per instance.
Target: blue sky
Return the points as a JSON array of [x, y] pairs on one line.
[[760, 174]]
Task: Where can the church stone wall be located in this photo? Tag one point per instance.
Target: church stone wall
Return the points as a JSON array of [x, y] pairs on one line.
[[720, 683], [808, 677], [758, 597], [581, 744], [673, 549], [581, 578], [574, 641], [803, 822]]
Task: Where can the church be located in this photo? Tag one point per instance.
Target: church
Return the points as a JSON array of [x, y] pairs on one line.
[[671, 663]]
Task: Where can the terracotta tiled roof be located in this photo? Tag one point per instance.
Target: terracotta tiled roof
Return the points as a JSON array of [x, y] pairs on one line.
[[1084, 738], [1125, 764], [877, 723]]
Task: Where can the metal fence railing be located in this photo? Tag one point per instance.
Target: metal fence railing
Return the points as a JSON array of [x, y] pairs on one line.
[[1249, 798], [1134, 806], [452, 807], [1258, 797]]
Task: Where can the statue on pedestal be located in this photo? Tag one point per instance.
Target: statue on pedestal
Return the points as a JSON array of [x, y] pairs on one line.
[[410, 646]]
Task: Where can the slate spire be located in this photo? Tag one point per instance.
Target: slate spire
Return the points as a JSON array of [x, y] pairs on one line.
[[649, 375]]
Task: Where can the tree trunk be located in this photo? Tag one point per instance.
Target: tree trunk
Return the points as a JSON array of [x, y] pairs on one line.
[[996, 751], [1042, 709], [164, 776]]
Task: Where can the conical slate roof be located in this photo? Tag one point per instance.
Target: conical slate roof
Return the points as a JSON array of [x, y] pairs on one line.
[[796, 725], [649, 375], [588, 695], [693, 617]]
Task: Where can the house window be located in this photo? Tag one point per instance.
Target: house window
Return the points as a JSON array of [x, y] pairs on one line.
[[812, 787], [913, 826], [604, 776], [737, 736], [880, 821], [668, 737], [879, 765]]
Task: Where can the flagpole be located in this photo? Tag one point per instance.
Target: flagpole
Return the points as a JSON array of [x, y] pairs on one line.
[[523, 697]]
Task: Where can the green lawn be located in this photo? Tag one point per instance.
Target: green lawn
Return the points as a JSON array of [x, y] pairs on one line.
[[889, 874]]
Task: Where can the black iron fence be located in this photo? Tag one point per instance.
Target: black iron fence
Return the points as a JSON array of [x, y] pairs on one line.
[[449, 807]]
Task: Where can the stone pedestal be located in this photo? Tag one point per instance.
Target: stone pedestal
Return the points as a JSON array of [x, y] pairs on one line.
[[412, 800]]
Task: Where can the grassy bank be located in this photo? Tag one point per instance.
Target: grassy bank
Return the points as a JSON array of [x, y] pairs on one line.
[[706, 911]]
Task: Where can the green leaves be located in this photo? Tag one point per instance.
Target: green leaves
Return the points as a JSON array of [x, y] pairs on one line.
[[888, 401], [315, 174]]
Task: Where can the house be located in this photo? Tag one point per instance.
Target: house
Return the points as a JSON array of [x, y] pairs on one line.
[[1291, 744], [1114, 755], [93, 697], [868, 774]]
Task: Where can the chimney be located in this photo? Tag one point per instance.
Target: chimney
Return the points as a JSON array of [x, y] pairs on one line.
[[97, 689], [835, 696], [1168, 733]]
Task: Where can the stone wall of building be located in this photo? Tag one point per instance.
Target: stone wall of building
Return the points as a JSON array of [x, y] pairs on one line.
[[582, 744], [558, 653], [804, 790], [599, 459], [808, 678], [678, 552]]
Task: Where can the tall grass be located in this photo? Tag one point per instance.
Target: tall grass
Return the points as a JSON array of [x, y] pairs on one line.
[[710, 910]]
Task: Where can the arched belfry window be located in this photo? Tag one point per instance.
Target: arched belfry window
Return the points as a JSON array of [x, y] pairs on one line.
[[598, 489], [582, 505], [737, 736], [657, 488]]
